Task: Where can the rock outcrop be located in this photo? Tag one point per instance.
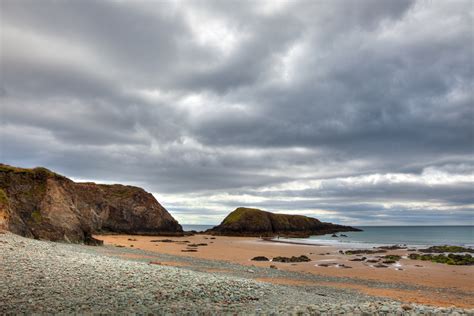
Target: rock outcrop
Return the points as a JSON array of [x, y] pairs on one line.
[[255, 222], [41, 204]]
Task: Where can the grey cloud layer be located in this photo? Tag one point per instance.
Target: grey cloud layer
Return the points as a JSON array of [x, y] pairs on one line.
[[214, 98]]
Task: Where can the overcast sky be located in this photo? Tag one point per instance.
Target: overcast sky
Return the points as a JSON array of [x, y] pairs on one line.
[[355, 112]]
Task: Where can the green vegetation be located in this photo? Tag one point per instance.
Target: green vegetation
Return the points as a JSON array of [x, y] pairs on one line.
[[450, 259], [38, 171], [279, 221], [3, 197], [237, 215], [446, 248], [36, 216], [390, 259], [7, 168], [118, 190]]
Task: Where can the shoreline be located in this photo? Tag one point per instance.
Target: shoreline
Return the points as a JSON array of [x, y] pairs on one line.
[[431, 277], [110, 280], [357, 245]]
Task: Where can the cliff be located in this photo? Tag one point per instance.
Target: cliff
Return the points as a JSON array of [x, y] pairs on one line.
[[255, 222], [41, 204]]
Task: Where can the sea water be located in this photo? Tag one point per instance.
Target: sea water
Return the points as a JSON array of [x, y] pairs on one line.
[[397, 235], [373, 236], [198, 228]]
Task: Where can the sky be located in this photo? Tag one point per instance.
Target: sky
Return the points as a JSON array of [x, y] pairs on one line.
[[353, 112]]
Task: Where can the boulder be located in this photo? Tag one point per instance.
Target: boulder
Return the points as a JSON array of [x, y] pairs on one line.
[[260, 258]]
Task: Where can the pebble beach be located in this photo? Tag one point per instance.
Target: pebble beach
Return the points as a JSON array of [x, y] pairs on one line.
[[46, 277]]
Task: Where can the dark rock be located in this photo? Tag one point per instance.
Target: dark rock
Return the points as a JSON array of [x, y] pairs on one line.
[[344, 266], [446, 248], [91, 241], [260, 258], [41, 204], [406, 307], [255, 222], [189, 250], [394, 247], [364, 251], [196, 245], [393, 258], [333, 235], [379, 265], [162, 240], [342, 235], [273, 267], [301, 258], [359, 259], [451, 259]]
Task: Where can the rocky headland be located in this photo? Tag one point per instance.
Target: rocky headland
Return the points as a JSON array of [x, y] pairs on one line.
[[41, 204], [254, 222]]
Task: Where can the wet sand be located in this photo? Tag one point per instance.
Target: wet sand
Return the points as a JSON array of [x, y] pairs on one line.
[[436, 277]]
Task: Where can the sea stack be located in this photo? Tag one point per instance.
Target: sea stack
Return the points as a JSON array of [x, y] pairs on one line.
[[41, 204], [254, 222]]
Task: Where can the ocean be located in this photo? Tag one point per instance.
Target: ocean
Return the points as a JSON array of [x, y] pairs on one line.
[[373, 236], [198, 228]]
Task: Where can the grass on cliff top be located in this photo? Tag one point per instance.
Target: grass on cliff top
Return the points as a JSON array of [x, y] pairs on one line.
[[280, 219], [33, 171], [238, 213]]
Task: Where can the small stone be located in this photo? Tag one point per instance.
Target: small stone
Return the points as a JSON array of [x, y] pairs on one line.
[[385, 309]]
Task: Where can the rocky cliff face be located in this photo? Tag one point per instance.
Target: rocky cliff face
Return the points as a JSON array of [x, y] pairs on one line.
[[255, 222], [41, 204]]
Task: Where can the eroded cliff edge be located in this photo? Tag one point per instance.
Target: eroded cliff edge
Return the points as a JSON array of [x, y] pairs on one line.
[[254, 222], [41, 204]]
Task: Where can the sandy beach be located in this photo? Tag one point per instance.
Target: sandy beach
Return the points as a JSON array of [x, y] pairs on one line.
[[439, 284]]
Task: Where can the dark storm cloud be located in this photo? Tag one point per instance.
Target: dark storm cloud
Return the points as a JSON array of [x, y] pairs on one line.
[[348, 111]]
